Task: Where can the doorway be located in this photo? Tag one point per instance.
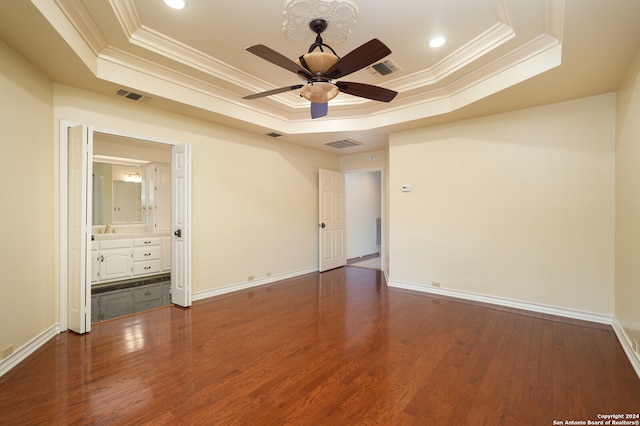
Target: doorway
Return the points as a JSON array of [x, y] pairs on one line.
[[77, 230], [363, 205]]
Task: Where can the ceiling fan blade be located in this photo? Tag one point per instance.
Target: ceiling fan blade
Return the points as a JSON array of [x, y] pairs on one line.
[[319, 110], [367, 91], [276, 58], [273, 92], [363, 56]]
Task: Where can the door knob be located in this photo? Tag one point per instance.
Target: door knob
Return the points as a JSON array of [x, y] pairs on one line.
[[178, 233], [322, 225]]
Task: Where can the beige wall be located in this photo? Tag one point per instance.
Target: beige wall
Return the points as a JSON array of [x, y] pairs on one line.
[[255, 199], [627, 290], [28, 260], [518, 205]]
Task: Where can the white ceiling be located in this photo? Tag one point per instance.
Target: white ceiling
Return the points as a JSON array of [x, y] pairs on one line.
[[500, 55]]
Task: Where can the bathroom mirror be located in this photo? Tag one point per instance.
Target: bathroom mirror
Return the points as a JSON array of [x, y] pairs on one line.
[[118, 194]]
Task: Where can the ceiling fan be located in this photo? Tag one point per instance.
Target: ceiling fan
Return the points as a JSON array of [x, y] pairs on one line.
[[321, 70]]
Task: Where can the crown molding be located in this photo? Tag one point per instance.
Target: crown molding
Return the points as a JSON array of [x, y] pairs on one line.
[[84, 24], [484, 43]]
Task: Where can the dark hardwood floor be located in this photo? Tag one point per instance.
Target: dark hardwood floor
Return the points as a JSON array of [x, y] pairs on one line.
[[337, 348]]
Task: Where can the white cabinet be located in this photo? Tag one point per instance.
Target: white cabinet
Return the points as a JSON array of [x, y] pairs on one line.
[[160, 196], [125, 258]]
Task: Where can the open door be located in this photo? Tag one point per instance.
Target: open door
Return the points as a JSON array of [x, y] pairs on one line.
[[331, 226], [181, 225], [78, 229]]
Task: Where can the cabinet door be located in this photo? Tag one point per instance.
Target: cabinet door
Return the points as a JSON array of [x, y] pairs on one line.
[[115, 263], [162, 197]]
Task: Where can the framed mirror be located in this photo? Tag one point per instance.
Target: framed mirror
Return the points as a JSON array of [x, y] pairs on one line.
[[118, 194]]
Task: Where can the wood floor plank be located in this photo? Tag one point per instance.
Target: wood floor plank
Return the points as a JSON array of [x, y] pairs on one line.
[[337, 348]]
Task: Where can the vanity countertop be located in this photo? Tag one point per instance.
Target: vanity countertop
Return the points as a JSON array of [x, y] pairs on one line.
[[121, 236]]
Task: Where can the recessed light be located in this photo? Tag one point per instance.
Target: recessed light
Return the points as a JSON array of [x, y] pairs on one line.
[[437, 41], [176, 4]]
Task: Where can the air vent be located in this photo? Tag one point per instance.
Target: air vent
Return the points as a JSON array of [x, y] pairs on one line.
[[123, 93], [344, 143], [274, 135], [384, 68]]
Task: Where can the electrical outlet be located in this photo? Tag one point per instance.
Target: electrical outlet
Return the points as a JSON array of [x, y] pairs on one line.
[[250, 278], [634, 345], [435, 284], [6, 352]]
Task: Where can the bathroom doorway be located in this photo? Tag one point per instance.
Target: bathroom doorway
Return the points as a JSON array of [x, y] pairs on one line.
[[76, 194]]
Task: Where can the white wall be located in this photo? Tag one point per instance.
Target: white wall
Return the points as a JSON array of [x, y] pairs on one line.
[[255, 201], [28, 259], [517, 205], [627, 290], [362, 207]]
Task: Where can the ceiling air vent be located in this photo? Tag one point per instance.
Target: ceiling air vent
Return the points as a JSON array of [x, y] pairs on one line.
[[344, 143], [123, 93], [384, 68]]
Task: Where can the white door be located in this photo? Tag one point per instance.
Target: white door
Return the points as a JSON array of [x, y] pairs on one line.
[[181, 225], [331, 226], [78, 229]]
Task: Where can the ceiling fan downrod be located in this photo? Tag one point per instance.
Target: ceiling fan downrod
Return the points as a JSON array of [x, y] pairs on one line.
[[318, 25]]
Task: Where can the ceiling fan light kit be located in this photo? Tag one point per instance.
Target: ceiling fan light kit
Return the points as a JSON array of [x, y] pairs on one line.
[[322, 69]]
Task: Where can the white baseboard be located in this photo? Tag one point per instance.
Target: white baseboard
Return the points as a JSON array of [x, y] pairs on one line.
[[23, 352], [626, 345], [527, 306], [249, 284]]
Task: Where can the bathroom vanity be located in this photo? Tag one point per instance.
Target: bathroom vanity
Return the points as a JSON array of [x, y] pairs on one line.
[[130, 273]]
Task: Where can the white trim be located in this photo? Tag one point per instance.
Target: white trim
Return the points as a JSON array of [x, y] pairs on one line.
[[30, 347], [528, 306], [250, 284], [634, 358]]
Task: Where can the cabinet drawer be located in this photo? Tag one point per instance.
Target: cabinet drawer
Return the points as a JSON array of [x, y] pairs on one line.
[[141, 242], [146, 267], [146, 253], [112, 244], [141, 294]]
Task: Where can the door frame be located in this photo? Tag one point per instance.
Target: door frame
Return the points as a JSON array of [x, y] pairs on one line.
[[63, 210]]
